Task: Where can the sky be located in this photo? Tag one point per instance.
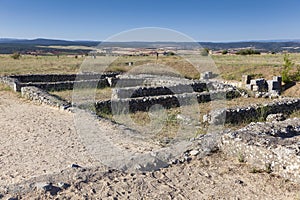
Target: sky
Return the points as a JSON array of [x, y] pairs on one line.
[[202, 20]]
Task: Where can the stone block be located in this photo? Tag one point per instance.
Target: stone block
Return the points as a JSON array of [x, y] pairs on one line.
[[246, 79], [206, 75]]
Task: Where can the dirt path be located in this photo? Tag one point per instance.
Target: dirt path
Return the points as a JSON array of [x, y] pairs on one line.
[[38, 140]]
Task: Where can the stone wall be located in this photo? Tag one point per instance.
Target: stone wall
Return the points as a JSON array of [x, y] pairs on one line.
[[167, 101], [253, 113], [42, 97], [66, 85], [56, 82], [133, 92], [61, 77]]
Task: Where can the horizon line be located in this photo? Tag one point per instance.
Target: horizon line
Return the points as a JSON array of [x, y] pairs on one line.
[[87, 40]]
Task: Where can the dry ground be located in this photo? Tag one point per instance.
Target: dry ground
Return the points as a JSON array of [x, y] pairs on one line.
[[38, 140]]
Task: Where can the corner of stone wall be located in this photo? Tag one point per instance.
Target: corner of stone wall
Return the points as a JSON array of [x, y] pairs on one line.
[[40, 96]]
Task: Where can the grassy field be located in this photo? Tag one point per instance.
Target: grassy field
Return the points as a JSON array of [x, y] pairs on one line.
[[231, 67], [29, 64]]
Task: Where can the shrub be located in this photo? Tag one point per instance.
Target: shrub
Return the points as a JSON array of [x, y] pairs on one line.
[[16, 55], [225, 51], [170, 53], [204, 52], [247, 52]]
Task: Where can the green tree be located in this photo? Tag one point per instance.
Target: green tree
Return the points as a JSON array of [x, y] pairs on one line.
[[287, 66]]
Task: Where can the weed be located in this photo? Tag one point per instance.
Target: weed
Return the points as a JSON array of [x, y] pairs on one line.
[[255, 170], [241, 157], [268, 168]]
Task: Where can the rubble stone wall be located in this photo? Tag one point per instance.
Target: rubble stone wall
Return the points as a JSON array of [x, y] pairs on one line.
[[255, 112], [60, 77], [167, 101], [42, 97], [133, 92], [56, 82]]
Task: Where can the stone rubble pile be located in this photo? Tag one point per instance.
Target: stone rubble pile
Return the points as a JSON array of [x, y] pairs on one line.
[[269, 146]]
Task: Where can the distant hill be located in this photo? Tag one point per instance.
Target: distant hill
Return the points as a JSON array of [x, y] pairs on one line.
[[47, 42], [10, 45]]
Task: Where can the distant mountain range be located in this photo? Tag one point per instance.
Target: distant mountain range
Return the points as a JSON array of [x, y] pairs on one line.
[[10, 45], [47, 42]]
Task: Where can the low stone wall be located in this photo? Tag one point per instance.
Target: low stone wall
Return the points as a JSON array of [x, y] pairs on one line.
[[134, 92], [61, 77], [253, 113], [271, 147], [56, 82], [42, 97], [167, 101], [66, 85]]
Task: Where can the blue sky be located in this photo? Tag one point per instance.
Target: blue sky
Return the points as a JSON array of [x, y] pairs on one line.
[[208, 20]]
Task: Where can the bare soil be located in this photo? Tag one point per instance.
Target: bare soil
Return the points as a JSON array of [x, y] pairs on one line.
[[38, 140]]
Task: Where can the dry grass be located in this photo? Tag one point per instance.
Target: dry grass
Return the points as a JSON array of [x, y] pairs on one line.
[[29, 64], [293, 91], [295, 114], [149, 64], [268, 65], [4, 87], [98, 94], [229, 66]]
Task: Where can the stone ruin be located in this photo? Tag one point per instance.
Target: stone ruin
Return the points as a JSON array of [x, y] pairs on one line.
[[140, 92], [57, 82], [263, 88], [271, 146]]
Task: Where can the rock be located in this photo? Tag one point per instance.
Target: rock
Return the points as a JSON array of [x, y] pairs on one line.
[[63, 185], [275, 117], [44, 186], [239, 181], [174, 161], [75, 166], [12, 198], [194, 152], [205, 118], [187, 158], [258, 95], [266, 95]]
